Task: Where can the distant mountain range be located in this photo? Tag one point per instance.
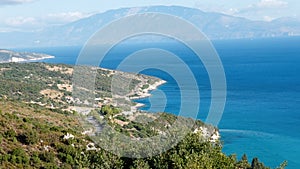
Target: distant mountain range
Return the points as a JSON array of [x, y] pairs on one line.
[[214, 25], [11, 56]]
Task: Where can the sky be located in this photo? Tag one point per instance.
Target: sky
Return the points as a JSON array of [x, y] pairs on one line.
[[28, 15]]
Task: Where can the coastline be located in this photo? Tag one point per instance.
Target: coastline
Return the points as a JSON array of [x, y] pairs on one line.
[[18, 57], [210, 134], [144, 93]]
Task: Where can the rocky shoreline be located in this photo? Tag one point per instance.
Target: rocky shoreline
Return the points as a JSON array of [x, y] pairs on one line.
[[144, 93], [15, 59], [7, 56]]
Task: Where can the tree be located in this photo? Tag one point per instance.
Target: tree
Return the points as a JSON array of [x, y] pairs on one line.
[[257, 165], [243, 163], [282, 165], [28, 138]]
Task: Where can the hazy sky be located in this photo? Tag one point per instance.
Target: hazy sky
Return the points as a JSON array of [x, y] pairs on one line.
[[35, 14]]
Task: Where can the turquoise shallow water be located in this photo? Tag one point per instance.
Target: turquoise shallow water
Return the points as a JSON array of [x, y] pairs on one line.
[[262, 113]]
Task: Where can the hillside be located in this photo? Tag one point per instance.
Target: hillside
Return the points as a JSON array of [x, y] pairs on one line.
[[32, 136], [40, 128], [51, 85]]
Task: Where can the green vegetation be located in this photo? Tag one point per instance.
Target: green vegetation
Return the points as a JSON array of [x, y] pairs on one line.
[[50, 85], [37, 132], [146, 86], [34, 138]]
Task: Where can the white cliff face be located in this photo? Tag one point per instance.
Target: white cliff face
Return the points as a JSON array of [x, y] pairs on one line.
[[15, 59], [11, 56]]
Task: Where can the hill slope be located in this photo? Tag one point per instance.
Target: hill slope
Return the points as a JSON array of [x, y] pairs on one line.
[[39, 131], [35, 137]]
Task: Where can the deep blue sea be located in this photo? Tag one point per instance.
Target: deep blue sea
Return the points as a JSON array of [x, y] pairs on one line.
[[262, 113]]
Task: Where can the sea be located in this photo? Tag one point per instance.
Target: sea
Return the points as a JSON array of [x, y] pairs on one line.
[[262, 110]]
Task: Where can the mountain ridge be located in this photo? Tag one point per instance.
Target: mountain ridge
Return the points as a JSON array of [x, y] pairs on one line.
[[214, 25]]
